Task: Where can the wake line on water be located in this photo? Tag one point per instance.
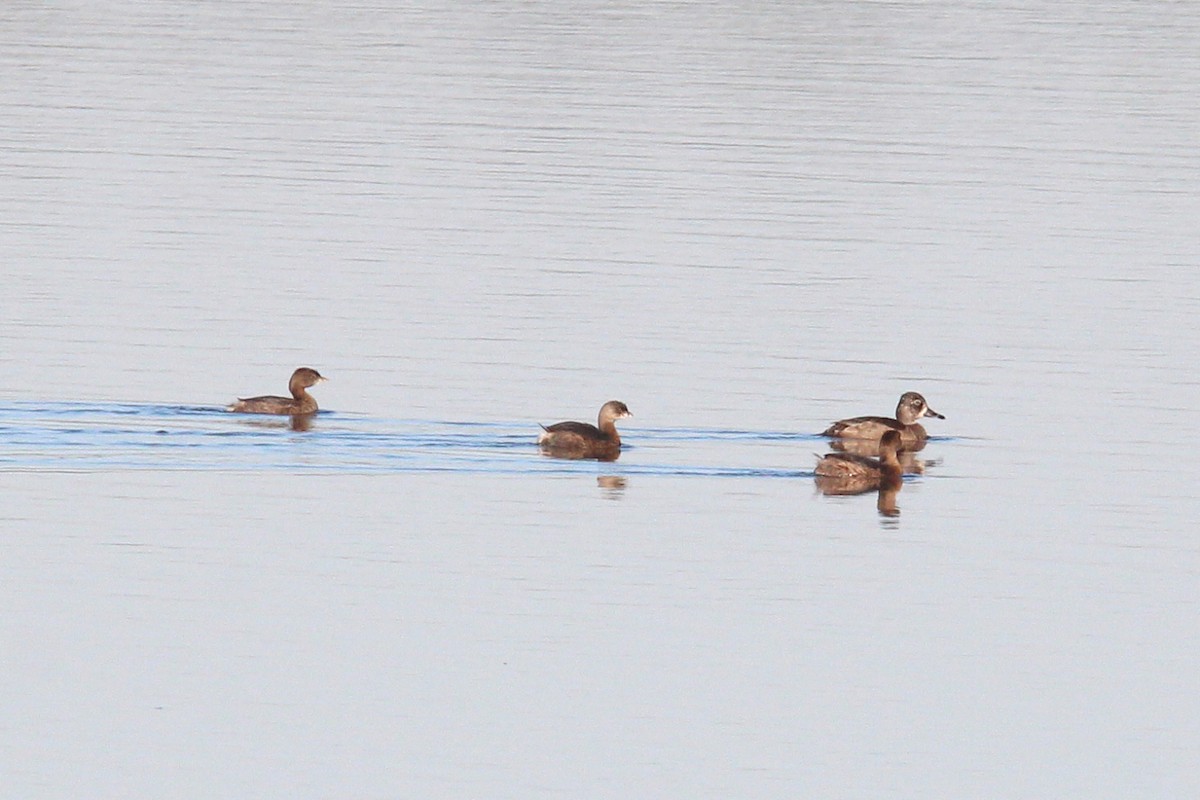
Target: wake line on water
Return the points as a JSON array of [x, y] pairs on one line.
[[57, 436]]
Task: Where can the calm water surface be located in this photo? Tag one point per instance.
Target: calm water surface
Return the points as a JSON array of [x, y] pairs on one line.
[[475, 218]]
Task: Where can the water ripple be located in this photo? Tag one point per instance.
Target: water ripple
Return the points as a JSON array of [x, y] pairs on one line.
[[114, 436]]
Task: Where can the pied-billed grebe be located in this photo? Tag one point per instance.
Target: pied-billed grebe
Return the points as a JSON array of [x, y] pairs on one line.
[[581, 440], [910, 409], [847, 473], [301, 402]]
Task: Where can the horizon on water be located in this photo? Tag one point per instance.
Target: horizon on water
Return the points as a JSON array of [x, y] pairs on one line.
[[475, 220]]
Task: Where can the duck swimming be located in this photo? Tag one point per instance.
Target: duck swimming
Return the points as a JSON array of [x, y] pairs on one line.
[[301, 402], [847, 473], [911, 408], [581, 440]]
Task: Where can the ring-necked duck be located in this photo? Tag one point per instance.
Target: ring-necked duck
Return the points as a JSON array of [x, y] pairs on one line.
[[911, 408]]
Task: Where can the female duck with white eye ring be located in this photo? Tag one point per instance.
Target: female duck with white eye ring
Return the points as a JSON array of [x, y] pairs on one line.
[[911, 408]]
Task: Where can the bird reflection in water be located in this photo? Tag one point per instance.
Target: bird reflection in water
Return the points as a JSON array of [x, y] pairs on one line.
[[886, 503], [613, 486], [909, 463], [848, 473], [301, 422], [570, 455], [295, 422]]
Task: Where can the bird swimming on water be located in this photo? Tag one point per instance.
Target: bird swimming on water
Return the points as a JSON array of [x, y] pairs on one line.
[[581, 440], [911, 408], [301, 402]]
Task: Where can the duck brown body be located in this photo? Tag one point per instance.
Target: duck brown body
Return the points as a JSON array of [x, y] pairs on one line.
[[301, 402], [848, 473], [582, 440]]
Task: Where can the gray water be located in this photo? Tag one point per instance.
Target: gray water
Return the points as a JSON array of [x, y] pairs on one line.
[[743, 222]]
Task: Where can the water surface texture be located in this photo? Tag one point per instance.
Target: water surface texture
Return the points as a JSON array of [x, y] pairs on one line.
[[476, 217]]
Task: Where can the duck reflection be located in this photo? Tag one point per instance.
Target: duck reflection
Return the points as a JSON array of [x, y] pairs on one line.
[[909, 463], [844, 473], [568, 455], [296, 422], [301, 422], [886, 502], [613, 486]]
